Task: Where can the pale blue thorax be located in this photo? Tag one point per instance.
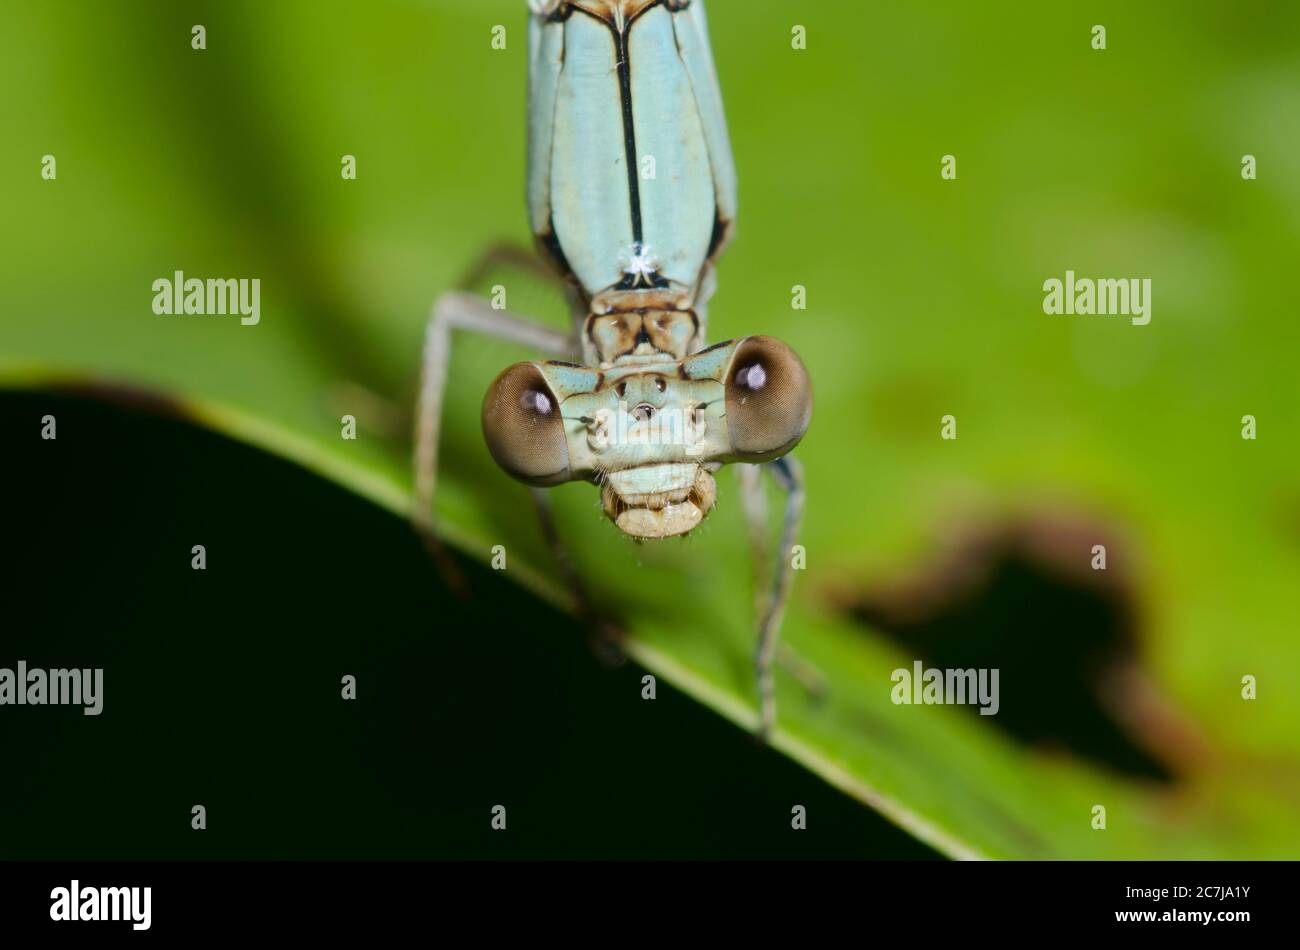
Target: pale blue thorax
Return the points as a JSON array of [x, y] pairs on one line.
[[618, 89]]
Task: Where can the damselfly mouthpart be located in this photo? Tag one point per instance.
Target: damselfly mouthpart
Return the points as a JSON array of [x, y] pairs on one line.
[[640, 404]]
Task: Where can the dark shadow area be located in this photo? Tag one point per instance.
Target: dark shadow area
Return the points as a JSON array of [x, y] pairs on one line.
[[1023, 598], [222, 686]]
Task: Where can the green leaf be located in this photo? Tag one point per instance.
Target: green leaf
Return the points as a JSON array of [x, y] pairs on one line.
[[924, 300]]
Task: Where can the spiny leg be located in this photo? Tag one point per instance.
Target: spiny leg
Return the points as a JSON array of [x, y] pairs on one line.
[[457, 310], [789, 476], [754, 504], [605, 636]]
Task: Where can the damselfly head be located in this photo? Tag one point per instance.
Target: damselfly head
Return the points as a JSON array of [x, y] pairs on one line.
[[651, 431]]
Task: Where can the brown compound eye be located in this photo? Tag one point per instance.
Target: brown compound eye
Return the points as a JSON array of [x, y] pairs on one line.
[[523, 427], [769, 399]]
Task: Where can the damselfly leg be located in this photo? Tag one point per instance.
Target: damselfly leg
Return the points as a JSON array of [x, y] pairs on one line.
[[773, 590], [459, 310], [463, 310]]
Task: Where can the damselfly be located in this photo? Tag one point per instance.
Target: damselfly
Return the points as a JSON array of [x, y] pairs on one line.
[[639, 405]]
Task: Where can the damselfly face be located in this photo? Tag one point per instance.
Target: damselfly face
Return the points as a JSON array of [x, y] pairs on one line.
[[649, 429]]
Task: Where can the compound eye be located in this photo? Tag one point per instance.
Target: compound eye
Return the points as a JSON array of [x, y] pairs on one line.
[[769, 399], [523, 428]]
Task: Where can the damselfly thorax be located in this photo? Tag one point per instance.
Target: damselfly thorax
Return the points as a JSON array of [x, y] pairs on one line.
[[632, 196]]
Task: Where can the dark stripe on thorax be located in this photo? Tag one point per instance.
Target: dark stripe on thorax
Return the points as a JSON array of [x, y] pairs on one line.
[[629, 129], [624, 61]]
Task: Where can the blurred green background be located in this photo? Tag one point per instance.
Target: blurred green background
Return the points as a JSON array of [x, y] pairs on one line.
[[924, 299]]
